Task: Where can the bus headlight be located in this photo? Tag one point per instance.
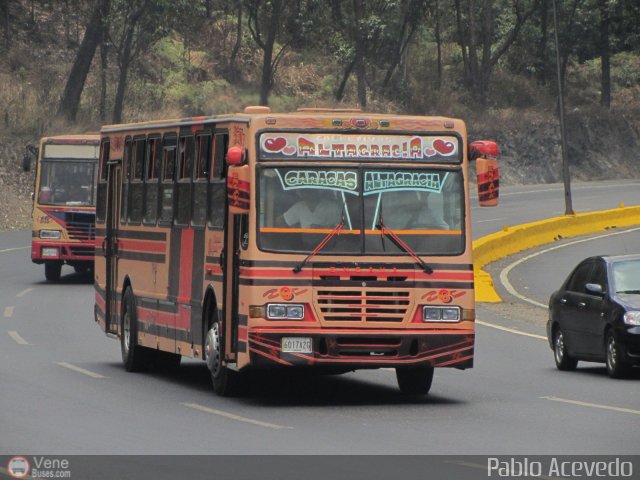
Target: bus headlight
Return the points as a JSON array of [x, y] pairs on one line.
[[285, 311], [440, 314], [50, 234]]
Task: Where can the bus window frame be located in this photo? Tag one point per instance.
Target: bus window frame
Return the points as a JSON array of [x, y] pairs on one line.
[[136, 183], [169, 144], [126, 172], [103, 177], [218, 177], [151, 182], [198, 180], [184, 180]]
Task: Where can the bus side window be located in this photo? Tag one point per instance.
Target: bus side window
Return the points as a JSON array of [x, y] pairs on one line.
[[101, 200], [126, 165], [218, 184], [167, 179], [200, 185], [136, 185], [153, 160], [185, 175]]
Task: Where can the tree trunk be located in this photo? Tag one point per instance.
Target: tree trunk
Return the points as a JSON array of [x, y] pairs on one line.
[[4, 10], [104, 52], [605, 53], [358, 8], [343, 82], [543, 69], [438, 45], [233, 69], [70, 100], [124, 71], [267, 63]]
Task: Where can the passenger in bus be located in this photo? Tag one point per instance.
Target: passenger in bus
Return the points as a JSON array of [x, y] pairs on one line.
[[315, 208], [409, 210]]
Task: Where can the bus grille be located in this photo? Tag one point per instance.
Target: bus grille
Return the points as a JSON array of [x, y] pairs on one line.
[[81, 226], [363, 305]]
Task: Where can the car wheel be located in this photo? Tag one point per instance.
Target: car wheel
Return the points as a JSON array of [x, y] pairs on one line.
[[563, 360], [52, 271], [616, 366], [414, 380], [134, 357], [225, 381]]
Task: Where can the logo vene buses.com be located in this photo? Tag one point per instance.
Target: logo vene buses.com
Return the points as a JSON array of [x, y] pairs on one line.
[[18, 467]]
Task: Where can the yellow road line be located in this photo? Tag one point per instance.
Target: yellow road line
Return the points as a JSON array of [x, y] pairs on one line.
[[593, 405], [88, 373], [13, 249], [510, 330], [17, 338], [24, 292], [234, 417], [8, 312]]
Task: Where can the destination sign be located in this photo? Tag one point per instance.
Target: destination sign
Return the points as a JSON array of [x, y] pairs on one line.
[[437, 149]]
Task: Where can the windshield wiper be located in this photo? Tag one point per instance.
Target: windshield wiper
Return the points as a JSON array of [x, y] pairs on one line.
[[397, 241], [629, 291], [336, 231]]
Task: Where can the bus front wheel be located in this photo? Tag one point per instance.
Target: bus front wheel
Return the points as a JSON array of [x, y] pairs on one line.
[[52, 271], [414, 380], [224, 380]]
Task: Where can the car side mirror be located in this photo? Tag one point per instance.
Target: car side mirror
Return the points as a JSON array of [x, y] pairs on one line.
[[594, 288]]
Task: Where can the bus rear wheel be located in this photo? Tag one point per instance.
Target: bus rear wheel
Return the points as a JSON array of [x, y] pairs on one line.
[[224, 380], [52, 271], [414, 380], [134, 357]]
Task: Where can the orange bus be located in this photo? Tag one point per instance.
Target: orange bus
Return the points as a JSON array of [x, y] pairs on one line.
[[326, 239], [64, 202]]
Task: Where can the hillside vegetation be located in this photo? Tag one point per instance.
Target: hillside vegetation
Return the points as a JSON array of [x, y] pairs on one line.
[[73, 65]]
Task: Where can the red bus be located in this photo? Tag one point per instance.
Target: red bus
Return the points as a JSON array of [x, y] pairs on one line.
[[64, 203], [323, 239]]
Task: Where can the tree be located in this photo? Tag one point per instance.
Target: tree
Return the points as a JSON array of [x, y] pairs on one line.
[[605, 59], [70, 100]]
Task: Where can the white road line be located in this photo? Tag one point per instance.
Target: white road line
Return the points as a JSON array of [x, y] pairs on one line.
[[504, 274], [593, 405], [8, 312], [491, 220], [13, 249], [88, 373], [17, 338], [510, 330], [234, 417], [24, 292]]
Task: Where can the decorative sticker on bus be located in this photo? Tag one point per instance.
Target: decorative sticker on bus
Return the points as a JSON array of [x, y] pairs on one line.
[[435, 149], [340, 180], [386, 181]]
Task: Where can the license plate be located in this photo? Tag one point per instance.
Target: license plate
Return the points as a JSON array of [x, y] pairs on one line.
[[297, 345]]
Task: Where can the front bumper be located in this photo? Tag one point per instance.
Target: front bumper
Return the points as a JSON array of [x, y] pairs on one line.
[[365, 349], [66, 251], [630, 342]]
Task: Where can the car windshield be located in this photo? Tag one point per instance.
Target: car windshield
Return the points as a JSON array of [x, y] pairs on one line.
[[64, 182], [299, 206], [626, 276]]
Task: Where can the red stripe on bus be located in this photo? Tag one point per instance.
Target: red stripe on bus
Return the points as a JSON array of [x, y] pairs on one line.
[[186, 265], [254, 273], [142, 246]]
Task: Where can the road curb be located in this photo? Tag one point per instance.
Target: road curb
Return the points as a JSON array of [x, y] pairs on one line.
[[528, 235]]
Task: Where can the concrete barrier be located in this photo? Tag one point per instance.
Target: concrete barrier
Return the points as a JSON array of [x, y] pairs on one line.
[[522, 237]]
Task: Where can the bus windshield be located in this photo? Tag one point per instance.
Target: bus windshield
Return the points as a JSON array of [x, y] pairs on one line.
[[67, 182], [300, 206]]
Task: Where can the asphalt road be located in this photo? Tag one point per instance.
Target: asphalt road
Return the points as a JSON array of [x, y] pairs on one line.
[[64, 391]]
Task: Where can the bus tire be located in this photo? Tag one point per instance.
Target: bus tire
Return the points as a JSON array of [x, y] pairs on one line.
[[134, 357], [414, 380], [52, 271], [224, 380]]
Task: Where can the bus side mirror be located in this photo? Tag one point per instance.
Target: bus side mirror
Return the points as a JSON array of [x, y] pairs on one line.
[[238, 189], [485, 154]]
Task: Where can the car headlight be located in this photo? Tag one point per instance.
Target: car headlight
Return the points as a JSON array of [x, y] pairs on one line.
[[440, 314], [632, 318], [285, 311], [50, 234]]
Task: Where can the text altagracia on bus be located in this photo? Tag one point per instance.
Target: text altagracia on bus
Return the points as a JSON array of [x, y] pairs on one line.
[[64, 202], [323, 239]]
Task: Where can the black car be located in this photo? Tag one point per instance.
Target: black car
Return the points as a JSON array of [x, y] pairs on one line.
[[595, 315]]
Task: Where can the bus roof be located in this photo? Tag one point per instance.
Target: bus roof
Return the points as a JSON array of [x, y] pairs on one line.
[[74, 138], [265, 115]]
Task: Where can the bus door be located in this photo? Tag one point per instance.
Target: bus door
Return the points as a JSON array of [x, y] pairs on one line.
[[231, 272], [111, 247]]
